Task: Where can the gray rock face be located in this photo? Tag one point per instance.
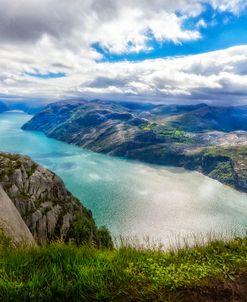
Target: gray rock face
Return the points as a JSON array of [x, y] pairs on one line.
[[12, 223], [41, 198]]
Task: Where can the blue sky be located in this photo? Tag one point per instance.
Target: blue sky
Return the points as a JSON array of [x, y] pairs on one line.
[[180, 51], [222, 30], [48, 75]]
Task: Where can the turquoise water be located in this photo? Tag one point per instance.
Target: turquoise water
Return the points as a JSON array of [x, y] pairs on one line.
[[132, 198]]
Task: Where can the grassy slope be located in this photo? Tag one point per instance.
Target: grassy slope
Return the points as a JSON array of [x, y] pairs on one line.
[[67, 273]]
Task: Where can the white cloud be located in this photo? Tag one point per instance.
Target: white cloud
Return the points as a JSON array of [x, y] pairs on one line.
[[118, 26], [201, 23], [56, 36], [233, 6], [219, 76]]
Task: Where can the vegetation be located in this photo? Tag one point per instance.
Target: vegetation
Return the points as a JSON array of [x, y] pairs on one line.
[[60, 272], [173, 134], [227, 165], [84, 231], [5, 241], [12, 161], [237, 154], [234, 152], [32, 169], [224, 173]]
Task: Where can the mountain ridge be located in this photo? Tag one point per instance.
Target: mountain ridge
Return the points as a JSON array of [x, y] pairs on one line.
[[177, 135]]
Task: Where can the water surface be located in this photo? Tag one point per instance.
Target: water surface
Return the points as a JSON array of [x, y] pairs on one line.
[[131, 198]]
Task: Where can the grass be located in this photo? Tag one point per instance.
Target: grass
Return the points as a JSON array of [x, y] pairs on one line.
[[175, 135], [60, 272]]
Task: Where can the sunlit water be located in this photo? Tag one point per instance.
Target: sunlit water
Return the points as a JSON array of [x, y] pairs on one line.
[[132, 198]]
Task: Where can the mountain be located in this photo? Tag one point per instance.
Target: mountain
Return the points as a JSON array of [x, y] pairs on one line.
[[48, 210], [11, 222], [210, 118], [186, 136], [28, 107]]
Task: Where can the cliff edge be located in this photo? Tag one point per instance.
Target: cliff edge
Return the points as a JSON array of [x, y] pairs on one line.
[[12, 223], [48, 209]]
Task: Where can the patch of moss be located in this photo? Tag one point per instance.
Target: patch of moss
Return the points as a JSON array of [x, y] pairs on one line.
[[31, 170], [24, 195]]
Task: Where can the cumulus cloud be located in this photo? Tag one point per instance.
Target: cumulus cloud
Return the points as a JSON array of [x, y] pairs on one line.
[[218, 77], [56, 36], [234, 6], [119, 26]]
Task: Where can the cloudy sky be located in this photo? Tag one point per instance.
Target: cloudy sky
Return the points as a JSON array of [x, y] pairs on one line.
[[180, 51]]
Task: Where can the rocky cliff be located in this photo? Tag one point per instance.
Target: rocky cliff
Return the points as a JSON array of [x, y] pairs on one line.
[[47, 208], [11, 222]]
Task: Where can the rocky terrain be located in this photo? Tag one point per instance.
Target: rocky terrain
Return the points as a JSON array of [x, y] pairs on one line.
[[11, 222], [48, 210], [190, 136]]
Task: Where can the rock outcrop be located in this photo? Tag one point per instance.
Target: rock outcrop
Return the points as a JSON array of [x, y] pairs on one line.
[[47, 208], [11, 222]]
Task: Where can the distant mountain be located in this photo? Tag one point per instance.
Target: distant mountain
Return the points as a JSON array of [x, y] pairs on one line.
[[95, 125], [28, 107], [210, 118], [160, 134]]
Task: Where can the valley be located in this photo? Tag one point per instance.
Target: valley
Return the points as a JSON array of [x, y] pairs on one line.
[[130, 197]]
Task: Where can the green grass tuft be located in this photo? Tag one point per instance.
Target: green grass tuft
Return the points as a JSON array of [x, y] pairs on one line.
[[62, 272]]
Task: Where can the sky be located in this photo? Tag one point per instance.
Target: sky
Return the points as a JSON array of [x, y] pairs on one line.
[[180, 51]]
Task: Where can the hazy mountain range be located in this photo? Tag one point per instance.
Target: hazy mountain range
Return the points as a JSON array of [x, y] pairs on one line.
[[28, 107]]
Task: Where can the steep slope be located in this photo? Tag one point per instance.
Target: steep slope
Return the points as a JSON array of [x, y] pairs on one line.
[[47, 208], [210, 118], [11, 222], [159, 134], [98, 126]]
